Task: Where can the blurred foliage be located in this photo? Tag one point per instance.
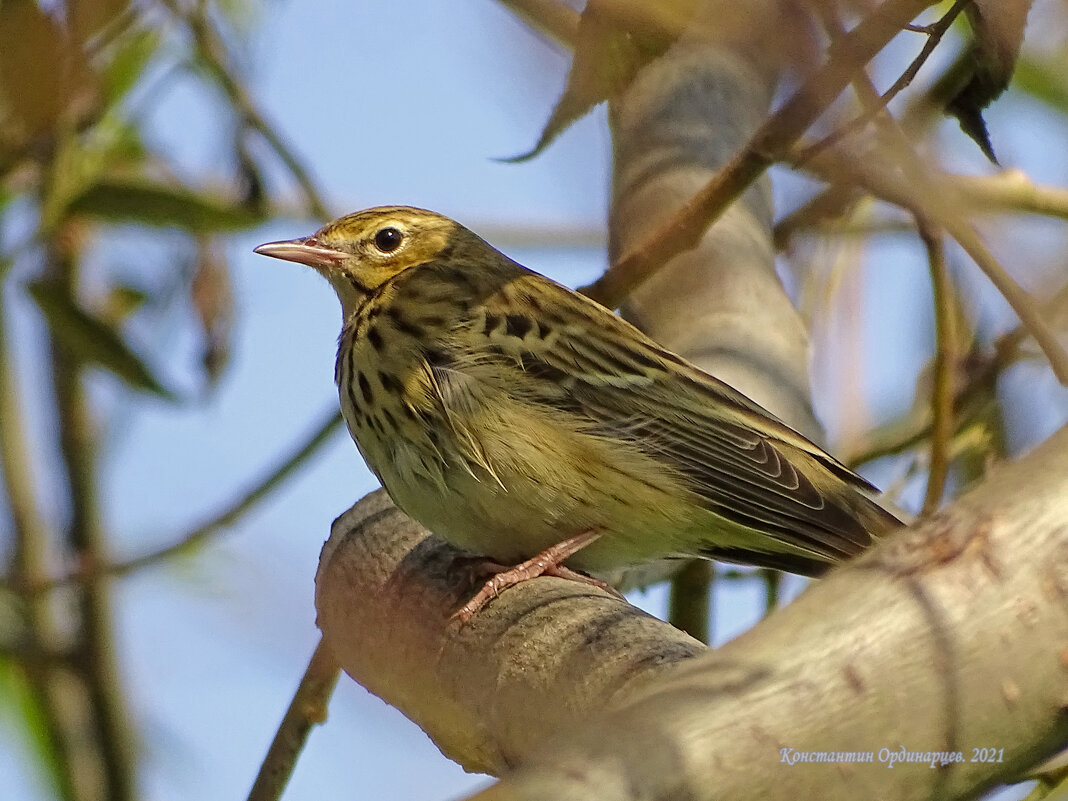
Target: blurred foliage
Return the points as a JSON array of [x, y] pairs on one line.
[[90, 339], [998, 27], [78, 79], [613, 41], [72, 143]]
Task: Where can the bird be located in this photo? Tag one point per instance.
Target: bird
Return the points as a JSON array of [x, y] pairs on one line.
[[526, 423]]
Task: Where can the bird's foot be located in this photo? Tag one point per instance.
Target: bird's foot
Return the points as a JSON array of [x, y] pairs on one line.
[[573, 575], [478, 568], [546, 563]]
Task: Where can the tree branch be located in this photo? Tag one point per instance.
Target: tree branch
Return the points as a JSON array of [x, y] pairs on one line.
[[923, 195], [227, 516], [769, 143], [539, 659], [93, 652], [307, 709], [943, 389], [934, 32], [213, 55], [928, 642], [721, 305], [49, 687]]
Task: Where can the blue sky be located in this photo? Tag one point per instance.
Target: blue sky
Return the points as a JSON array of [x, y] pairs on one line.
[[401, 103]]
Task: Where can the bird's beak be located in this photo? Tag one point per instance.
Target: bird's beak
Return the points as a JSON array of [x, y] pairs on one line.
[[303, 251]]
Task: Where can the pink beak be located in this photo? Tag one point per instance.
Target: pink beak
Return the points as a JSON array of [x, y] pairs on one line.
[[303, 251]]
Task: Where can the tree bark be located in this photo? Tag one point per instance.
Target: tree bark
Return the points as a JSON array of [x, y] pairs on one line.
[[720, 304], [948, 637]]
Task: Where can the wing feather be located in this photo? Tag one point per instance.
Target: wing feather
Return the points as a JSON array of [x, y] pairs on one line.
[[739, 460]]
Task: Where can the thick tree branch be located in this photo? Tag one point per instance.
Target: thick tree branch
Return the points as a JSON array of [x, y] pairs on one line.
[[721, 304], [539, 659], [947, 637]]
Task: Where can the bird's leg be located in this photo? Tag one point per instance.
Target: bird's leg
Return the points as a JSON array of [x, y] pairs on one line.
[[477, 567], [573, 575], [546, 563]]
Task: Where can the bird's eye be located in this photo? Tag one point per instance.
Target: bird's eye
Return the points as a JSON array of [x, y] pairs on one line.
[[388, 239]]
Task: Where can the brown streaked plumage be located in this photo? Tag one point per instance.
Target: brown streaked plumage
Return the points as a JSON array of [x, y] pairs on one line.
[[508, 413]]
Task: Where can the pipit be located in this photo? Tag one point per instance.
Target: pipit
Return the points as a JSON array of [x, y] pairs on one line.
[[524, 422]]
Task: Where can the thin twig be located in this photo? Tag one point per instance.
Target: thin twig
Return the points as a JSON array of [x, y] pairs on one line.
[[212, 53], [945, 367], [1010, 190], [690, 600], [919, 202], [934, 32], [93, 654], [221, 520], [945, 356], [1003, 192], [49, 691], [833, 203], [836, 199], [16, 467], [929, 196], [968, 403], [308, 708], [1020, 301], [769, 143], [931, 202], [918, 116]]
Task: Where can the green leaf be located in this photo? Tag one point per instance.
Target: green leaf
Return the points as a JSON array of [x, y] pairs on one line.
[[997, 31], [1044, 80], [131, 55], [122, 301], [91, 340], [23, 707], [143, 202], [603, 64]]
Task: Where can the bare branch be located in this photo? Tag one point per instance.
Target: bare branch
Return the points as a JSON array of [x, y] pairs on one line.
[[934, 32], [212, 52], [48, 687], [226, 517], [943, 390], [930, 197], [94, 660], [1006, 191], [307, 709]]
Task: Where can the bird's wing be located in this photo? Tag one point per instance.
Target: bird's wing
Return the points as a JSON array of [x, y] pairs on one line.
[[740, 461]]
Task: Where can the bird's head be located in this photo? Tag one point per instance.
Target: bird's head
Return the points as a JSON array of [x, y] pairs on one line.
[[359, 252]]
